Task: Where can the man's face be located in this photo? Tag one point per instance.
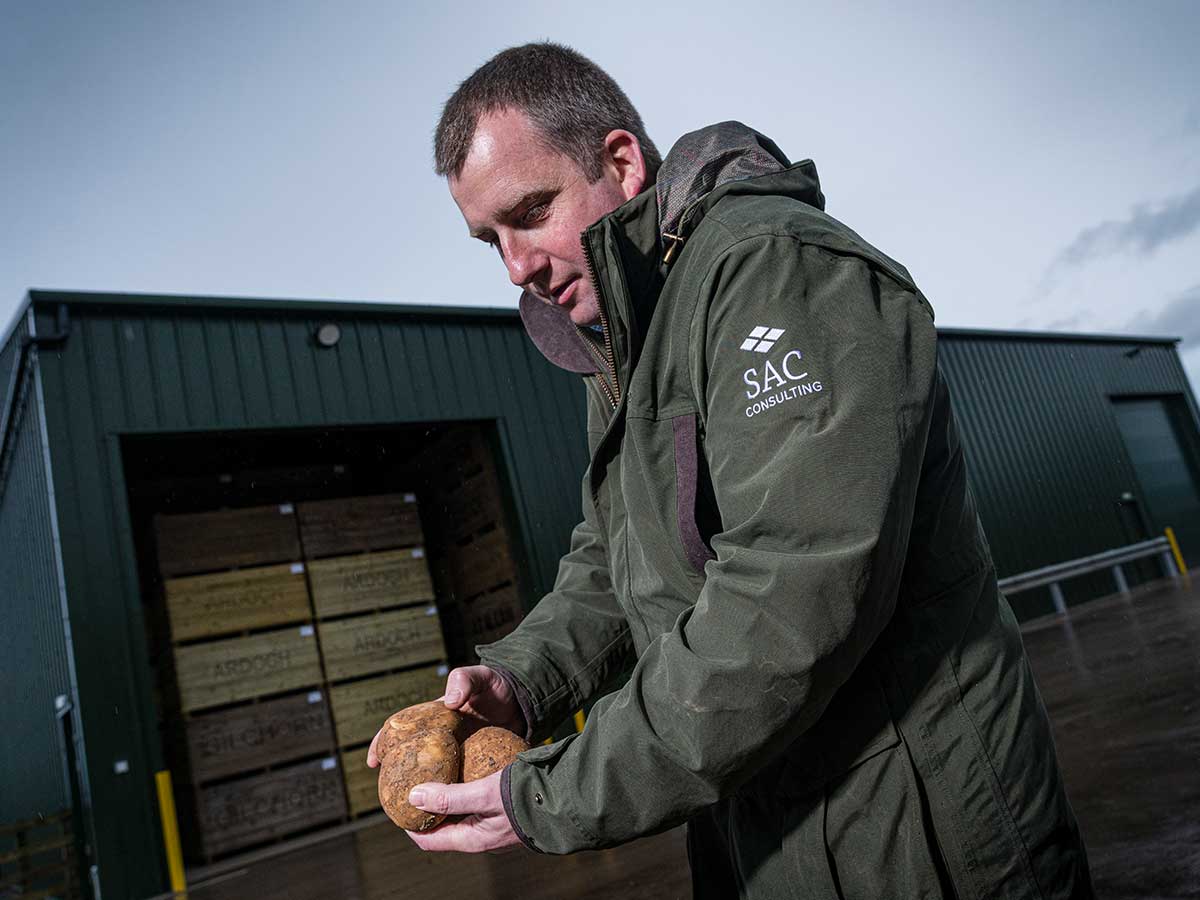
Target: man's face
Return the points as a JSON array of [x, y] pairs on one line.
[[531, 204]]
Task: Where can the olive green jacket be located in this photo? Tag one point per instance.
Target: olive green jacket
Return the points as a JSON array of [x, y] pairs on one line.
[[779, 542]]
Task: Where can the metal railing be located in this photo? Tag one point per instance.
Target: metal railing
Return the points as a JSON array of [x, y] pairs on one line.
[[1164, 547]]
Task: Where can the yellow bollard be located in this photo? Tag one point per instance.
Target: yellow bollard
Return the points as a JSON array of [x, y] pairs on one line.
[[1183, 571], [170, 827], [578, 725]]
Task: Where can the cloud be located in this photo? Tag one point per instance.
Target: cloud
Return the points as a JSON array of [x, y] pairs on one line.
[[1179, 318], [1145, 230]]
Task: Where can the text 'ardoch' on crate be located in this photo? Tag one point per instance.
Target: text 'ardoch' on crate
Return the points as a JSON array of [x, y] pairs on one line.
[[285, 633]]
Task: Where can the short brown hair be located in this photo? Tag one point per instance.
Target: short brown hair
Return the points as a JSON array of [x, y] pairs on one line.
[[569, 99]]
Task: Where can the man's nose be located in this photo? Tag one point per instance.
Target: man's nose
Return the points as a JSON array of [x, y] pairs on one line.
[[523, 261]]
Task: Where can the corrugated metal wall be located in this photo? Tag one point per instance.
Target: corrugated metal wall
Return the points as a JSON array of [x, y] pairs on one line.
[[1045, 455], [156, 366], [33, 656]]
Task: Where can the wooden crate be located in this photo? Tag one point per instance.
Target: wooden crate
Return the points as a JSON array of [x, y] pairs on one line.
[[349, 584], [251, 737], [37, 857], [463, 490], [291, 481], [240, 668], [357, 524], [270, 805], [392, 640], [225, 539], [471, 505], [481, 565], [482, 620], [206, 605], [362, 783], [492, 616], [455, 455], [360, 707]]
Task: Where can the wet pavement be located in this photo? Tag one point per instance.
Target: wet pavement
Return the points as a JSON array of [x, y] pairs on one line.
[[1121, 679], [381, 863]]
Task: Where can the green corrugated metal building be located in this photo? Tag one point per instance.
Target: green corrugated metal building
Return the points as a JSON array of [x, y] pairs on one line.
[[1076, 444]]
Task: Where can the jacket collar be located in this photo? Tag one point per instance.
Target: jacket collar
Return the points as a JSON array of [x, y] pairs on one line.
[[627, 255], [556, 336]]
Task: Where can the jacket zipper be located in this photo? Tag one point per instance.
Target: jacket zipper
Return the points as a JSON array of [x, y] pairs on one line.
[[607, 358]]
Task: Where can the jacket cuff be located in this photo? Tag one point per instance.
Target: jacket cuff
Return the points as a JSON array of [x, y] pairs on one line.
[[541, 816], [523, 698], [506, 799]]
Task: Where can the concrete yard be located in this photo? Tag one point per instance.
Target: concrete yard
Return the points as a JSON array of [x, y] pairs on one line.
[[1122, 683], [1121, 679]]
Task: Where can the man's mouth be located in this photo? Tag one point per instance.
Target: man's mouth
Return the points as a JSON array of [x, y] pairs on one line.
[[562, 295]]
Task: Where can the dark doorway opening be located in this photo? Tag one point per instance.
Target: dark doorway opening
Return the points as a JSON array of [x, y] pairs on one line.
[[1162, 444]]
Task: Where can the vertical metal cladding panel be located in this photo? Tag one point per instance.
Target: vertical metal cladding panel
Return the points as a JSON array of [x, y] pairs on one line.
[[33, 654], [168, 364], [1045, 457]]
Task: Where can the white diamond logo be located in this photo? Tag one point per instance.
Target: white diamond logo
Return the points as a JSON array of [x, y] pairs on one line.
[[762, 339]]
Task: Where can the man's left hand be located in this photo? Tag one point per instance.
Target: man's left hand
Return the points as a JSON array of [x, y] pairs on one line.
[[485, 826]]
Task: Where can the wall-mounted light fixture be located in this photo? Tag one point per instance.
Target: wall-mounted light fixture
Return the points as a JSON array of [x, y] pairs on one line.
[[328, 335]]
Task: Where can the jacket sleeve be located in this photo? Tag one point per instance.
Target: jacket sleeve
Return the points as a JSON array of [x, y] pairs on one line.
[[575, 640], [815, 490]]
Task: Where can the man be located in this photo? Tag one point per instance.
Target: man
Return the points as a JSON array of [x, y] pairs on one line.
[[778, 540]]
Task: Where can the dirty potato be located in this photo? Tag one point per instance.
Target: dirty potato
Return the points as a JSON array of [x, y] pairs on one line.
[[431, 716], [489, 750], [418, 744]]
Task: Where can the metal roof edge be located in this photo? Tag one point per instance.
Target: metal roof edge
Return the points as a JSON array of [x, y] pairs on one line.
[[271, 304], [41, 296], [15, 322], [1076, 336]]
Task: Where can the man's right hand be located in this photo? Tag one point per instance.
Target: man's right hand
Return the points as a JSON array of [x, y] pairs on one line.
[[482, 696]]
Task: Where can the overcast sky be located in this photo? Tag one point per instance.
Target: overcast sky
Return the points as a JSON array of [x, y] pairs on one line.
[[1035, 165]]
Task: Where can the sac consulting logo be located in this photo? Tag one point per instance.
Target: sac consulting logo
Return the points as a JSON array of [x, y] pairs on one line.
[[774, 383], [762, 338]]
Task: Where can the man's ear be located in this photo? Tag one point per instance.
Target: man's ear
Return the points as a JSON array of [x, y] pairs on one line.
[[623, 159]]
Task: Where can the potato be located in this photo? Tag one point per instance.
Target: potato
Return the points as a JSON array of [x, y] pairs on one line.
[[431, 716], [418, 744], [489, 750]]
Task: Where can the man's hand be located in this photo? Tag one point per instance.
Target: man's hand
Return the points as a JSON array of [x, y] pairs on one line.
[[482, 696], [485, 826]]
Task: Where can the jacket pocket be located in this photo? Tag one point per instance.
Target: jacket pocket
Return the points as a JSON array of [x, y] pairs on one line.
[[687, 476]]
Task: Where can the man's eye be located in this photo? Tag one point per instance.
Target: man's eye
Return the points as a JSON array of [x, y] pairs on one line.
[[534, 214]]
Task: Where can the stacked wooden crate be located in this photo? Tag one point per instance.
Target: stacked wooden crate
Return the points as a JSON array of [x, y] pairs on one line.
[[288, 633], [475, 568], [377, 621], [38, 859], [251, 706]]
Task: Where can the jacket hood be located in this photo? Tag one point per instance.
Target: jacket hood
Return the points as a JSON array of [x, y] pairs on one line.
[[725, 158], [701, 168]]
